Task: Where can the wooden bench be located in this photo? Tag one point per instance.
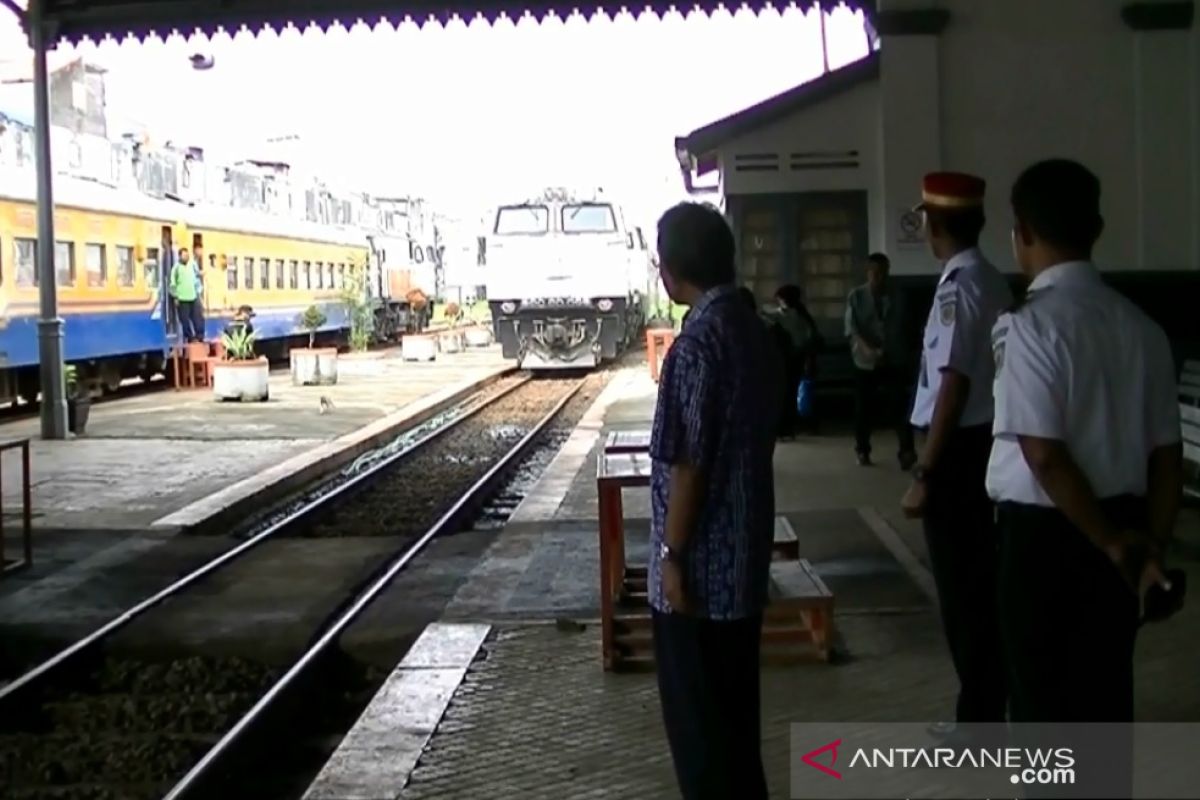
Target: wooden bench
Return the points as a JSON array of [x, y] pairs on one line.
[[12, 564], [1189, 413], [796, 626]]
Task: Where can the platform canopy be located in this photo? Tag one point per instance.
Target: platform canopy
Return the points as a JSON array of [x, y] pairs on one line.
[[73, 21]]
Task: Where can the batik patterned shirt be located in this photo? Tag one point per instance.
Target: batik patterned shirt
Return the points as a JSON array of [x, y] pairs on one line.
[[718, 401]]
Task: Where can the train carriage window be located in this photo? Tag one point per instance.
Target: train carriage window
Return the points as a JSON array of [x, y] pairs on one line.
[[150, 268], [280, 272], [96, 264], [64, 263], [249, 282], [1, 262], [329, 275], [231, 273], [125, 273], [264, 278], [25, 258], [341, 275], [307, 283], [320, 275], [294, 275]]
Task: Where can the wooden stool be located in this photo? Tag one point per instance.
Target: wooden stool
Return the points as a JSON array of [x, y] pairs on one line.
[[658, 342]]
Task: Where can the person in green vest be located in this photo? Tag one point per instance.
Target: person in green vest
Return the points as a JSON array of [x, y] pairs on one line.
[[182, 287]]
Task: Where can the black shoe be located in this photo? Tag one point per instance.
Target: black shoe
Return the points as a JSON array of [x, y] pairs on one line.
[[907, 460], [864, 459]]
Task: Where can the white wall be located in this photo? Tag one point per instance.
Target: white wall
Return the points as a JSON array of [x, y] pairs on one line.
[[1004, 85], [848, 121]]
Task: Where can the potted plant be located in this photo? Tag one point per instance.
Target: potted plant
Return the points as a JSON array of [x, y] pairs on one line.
[[241, 375], [79, 401], [452, 340], [313, 365]]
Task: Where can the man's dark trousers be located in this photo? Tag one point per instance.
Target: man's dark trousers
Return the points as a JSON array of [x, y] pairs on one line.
[[187, 319], [887, 388], [708, 681], [963, 543]]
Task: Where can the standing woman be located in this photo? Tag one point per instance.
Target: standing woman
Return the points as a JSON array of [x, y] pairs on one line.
[[805, 339]]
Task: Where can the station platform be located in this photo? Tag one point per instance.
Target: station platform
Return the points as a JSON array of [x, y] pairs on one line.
[[506, 696]]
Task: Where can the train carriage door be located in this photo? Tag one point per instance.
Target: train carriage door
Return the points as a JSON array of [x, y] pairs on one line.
[[205, 307], [166, 261]]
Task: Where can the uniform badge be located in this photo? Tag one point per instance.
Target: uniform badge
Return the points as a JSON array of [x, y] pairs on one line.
[[998, 354], [946, 312]]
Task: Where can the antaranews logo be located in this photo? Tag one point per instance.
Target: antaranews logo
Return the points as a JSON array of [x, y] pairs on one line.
[[1040, 766]]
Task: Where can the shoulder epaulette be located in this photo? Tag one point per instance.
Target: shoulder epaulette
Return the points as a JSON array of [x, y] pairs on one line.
[[952, 275], [1027, 298]]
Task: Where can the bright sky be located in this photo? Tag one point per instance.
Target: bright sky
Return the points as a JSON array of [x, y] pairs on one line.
[[466, 114]]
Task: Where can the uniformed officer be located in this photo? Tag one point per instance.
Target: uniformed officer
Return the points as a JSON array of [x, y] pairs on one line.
[[953, 406], [1087, 464]]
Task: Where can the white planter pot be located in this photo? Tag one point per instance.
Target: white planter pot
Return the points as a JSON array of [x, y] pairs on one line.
[[478, 337], [242, 380], [317, 367], [418, 348], [451, 342]]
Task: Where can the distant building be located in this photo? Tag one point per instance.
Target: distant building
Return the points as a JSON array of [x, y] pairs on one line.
[[77, 92]]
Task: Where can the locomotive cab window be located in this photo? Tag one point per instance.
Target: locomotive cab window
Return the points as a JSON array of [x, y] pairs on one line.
[[97, 265], [522, 220], [125, 273], [588, 218], [25, 260]]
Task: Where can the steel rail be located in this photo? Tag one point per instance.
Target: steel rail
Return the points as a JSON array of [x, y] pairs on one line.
[[295, 518], [192, 780]]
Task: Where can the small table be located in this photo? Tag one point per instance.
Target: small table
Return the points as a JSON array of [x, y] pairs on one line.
[[7, 565], [627, 442], [658, 342], [614, 473]]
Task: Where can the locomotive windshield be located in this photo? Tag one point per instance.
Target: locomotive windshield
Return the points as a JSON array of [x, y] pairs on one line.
[[588, 218], [522, 220]]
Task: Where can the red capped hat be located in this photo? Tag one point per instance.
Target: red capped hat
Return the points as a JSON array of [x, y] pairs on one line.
[[951, 191]]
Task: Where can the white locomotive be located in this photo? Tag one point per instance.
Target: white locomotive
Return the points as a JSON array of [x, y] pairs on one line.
[[566, 280], [404, 268]]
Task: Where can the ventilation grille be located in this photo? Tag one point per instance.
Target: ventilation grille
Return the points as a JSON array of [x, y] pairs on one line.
[[797, 162]]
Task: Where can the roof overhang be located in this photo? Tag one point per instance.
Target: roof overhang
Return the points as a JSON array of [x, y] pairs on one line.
[[697, 151], [72, 21]]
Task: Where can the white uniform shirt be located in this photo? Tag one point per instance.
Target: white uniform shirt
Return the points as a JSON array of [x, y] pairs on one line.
[[970, 296], [1081, 364]]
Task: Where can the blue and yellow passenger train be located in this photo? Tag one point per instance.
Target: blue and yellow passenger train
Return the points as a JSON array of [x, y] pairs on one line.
[[113, 254]]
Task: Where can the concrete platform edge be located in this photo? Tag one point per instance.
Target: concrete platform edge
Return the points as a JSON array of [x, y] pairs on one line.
[[235, 501], [378, 755], [544, 499]]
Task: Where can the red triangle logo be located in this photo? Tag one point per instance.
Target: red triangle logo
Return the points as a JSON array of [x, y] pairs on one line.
[[811, 756]]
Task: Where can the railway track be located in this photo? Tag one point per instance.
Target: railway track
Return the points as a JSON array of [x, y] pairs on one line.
[[214, 687]]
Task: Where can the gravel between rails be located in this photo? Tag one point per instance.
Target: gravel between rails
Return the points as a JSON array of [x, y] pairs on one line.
[[414, 494], [131, 727]]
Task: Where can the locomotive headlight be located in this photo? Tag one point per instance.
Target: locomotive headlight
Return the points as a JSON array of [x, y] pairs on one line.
[[604, 304], [508, 307]]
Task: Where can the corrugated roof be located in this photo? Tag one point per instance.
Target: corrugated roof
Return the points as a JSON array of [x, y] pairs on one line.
[[700, 143], [95, 20]]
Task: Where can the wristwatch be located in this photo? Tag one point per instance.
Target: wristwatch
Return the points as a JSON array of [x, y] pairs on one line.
[[669, 553], [920, 473]]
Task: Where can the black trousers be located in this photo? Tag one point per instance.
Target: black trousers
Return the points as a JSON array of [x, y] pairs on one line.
[[883, 389], [198, 319], [1069, 624], [708, 681], [187, 319], [960, 533]]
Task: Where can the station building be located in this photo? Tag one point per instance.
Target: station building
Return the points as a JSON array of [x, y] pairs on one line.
[[815, 178]]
